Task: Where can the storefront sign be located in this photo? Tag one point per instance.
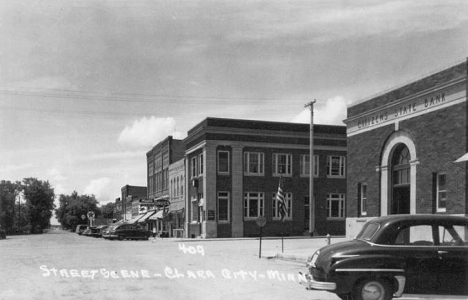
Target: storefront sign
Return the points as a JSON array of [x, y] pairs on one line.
[[162, 202], [404, 110]]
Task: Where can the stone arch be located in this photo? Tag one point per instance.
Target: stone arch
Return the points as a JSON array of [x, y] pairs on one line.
[[394, 140]]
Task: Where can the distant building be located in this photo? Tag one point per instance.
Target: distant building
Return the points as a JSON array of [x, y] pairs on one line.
[[233, 168], [129, 193], [176, 212], [406, 150], [159, 160]]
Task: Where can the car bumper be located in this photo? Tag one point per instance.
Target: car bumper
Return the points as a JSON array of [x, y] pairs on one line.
[[311, 284]]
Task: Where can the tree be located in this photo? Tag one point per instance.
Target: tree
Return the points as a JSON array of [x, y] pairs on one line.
[[107, 210], [39, 196], [9, 212], [72, 207]]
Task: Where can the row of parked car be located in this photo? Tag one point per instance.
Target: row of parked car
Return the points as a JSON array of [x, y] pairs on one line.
[[120, 231]]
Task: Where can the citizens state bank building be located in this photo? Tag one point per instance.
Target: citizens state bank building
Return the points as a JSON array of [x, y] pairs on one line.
[[407, 150]]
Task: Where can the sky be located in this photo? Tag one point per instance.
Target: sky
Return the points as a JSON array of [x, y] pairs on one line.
[[87, 87]]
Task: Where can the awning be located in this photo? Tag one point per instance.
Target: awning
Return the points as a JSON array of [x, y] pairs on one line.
[[156, 216], [134, 220], [146, 216], [463, 158]]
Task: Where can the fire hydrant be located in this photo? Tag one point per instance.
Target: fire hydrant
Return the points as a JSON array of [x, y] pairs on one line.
[[328, 239]]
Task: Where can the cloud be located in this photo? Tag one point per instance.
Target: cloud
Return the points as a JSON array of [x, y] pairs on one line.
[[55, 174], [332, 113], [99, 188], [147, 132]]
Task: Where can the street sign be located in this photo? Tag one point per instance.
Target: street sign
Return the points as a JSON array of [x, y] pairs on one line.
[[90, 214]]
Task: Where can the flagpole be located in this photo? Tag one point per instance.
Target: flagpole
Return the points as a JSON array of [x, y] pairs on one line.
[[282, 237]]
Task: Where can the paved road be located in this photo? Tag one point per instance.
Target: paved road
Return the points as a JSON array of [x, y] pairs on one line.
[[62, 265]]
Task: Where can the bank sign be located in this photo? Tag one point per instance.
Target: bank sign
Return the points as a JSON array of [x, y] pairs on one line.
[[405, 109]]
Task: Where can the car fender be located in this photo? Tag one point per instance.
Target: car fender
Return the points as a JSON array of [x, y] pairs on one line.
[[347, 271]]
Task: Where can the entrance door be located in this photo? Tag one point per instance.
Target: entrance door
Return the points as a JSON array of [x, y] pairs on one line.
[[400, 202]]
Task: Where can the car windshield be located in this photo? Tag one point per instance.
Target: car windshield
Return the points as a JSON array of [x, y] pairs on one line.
[[368, 231]]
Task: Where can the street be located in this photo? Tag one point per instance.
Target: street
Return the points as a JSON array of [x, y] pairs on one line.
[[64, 265]]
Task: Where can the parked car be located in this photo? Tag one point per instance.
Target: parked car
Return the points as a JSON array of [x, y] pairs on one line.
[[127, 231], [395, 255], [101, 229], [92, 231], [81, 228]]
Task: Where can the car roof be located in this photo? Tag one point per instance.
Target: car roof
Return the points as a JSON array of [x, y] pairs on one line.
[[390, 219]]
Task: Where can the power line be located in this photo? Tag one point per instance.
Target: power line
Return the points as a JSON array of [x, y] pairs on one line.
[[136, 97]]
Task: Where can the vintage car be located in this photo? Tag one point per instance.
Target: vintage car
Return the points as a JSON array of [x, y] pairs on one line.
[[81, 228], [92, 231], [127, 231], [395, 255]]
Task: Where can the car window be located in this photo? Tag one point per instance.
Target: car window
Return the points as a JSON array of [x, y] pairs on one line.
[[368, 231], [455, 235], [420, 235]]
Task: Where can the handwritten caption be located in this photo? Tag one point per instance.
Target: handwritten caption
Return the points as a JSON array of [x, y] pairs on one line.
[[168, 272], [192, 249]]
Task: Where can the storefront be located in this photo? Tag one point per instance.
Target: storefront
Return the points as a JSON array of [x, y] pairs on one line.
[[404, 150]]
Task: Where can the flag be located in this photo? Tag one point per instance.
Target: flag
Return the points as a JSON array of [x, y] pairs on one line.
[[282, 209]]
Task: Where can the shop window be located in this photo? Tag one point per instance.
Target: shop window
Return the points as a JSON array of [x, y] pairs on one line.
[[223, 162], [223, 206], [195, 213], [253, 163], [253, 204], [441, 192], [336, 205], [288, 201], [305, 165], [282, 164]]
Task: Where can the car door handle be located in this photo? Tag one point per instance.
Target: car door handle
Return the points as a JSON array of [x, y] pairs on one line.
[[442, 252]]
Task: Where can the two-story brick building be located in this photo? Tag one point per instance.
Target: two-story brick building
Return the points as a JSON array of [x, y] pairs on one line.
[[233, 168], [403, 148]]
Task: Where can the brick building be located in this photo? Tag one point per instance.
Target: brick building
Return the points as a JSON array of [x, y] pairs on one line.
[[159, 160], [233, 169], [402, 150], [129, 194]]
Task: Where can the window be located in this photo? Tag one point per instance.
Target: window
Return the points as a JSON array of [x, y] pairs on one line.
[[223, 206], [276, 214], [194, 210], [441, 192], [453, 235], [282, 164], [223, 162], [194, 167], [253, 204], [305, 165], [336, 166], [335, 205], [200, 164], [363, 198], [419, 235], [253, 163]]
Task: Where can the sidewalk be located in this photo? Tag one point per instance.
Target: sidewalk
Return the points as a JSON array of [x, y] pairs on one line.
[[296, 249], [299, 250]]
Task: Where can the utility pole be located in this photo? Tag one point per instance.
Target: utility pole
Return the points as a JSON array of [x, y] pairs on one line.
[[311, 174]]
